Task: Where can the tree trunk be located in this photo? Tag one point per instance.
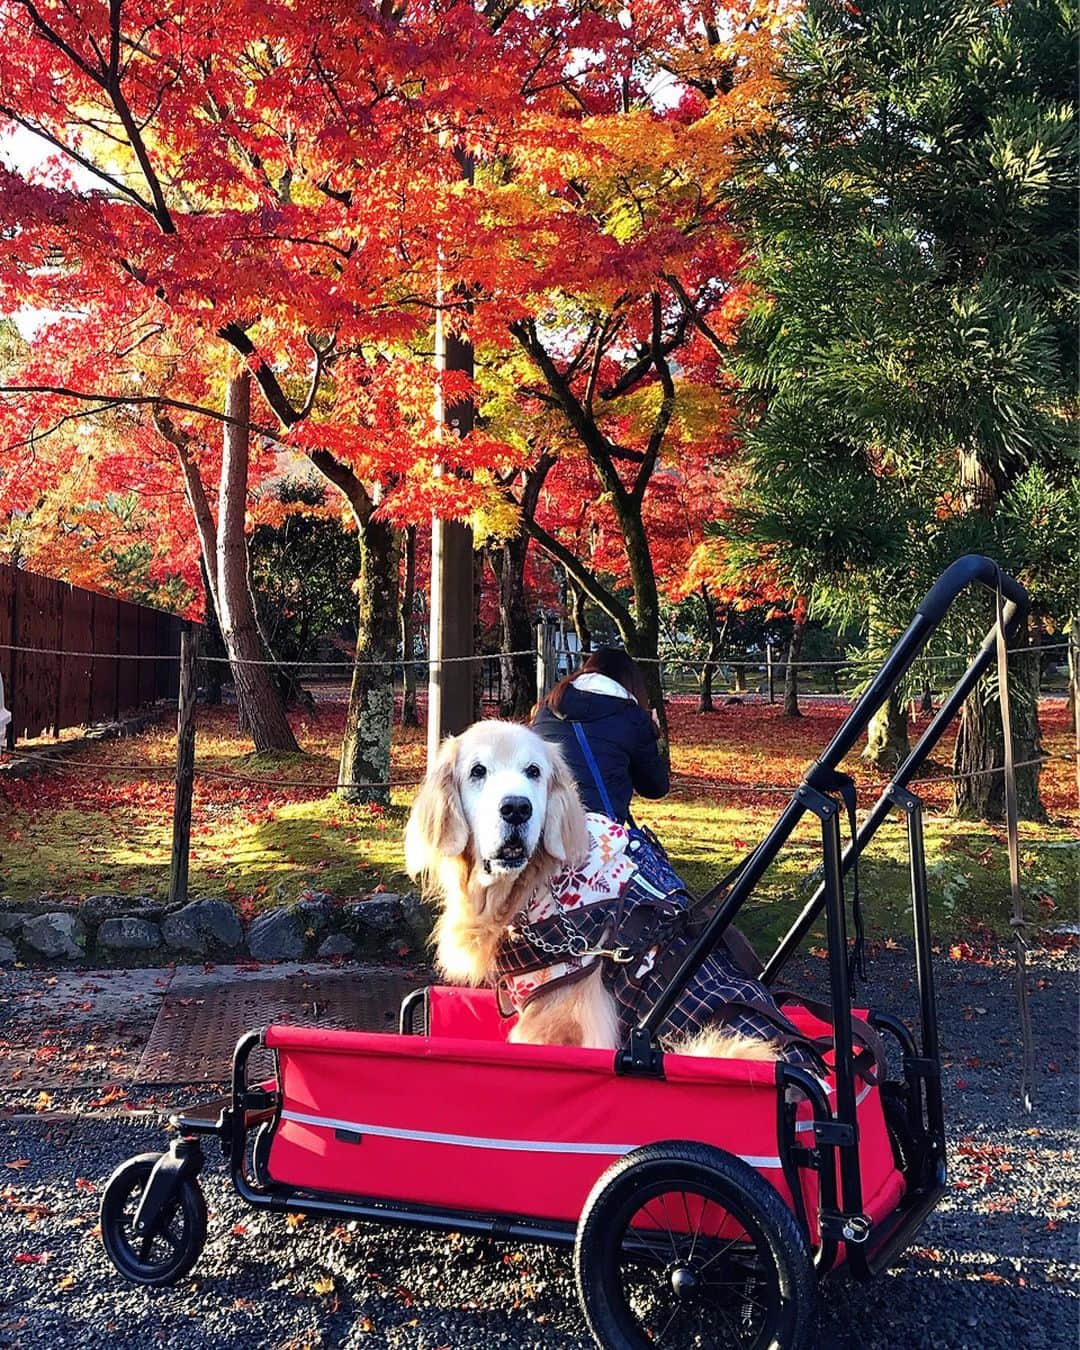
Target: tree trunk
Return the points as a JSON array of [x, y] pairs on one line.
[[738, 677], [887, 735], [887, 742], [477, 666], [980, 746], [1074, 691], [579, 619], [257, 697], [705, 699], [980, 741], [791, 673], [644, 643], [213, 651], [364, 770], [515, 629], [715, 635], [408, 632]]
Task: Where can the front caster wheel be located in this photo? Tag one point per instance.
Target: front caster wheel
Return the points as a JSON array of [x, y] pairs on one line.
[[683, 1245], [169, 1251]]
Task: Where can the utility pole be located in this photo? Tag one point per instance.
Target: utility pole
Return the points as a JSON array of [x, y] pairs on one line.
[[450, 682]]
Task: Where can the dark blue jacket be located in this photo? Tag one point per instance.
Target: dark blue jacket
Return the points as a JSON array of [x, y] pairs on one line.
[[623, 741]]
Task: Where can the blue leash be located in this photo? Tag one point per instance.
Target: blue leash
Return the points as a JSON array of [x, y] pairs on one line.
[[590, 760]]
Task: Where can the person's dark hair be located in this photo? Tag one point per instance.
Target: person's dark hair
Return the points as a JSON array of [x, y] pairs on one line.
[[616, 665]]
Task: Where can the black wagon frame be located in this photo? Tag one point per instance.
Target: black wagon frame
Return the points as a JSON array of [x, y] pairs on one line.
[[243, 1121]]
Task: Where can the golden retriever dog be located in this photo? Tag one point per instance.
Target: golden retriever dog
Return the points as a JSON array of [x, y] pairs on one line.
[[495, 823]]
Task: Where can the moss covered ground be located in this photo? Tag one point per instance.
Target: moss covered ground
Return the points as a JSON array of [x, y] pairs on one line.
[[268, 828]]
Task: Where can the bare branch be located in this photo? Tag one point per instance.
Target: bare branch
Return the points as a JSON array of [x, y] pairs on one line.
[[267, 381], [583, 576], [109, 401], [694, 314], [667, 404], [601, 451], [80, 159], [322, 355]]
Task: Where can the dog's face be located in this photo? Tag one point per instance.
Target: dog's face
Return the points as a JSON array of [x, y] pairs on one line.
[[503, 779], [496, 795]]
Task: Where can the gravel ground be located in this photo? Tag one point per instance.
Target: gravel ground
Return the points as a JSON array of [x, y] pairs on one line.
[[994, 1266]]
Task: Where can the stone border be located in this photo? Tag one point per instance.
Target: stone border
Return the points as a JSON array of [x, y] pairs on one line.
[[139, 931]]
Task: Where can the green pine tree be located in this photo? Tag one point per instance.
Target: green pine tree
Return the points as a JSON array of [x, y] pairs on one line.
[[910, 360]]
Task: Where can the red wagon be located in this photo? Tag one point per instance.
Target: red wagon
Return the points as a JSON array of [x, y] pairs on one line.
[[703, 1198]]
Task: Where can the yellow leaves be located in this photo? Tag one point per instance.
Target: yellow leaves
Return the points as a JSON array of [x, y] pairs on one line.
[[495, 518], [702, 411]]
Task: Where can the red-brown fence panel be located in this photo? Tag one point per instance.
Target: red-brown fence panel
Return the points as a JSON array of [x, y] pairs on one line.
[[167, 670], [76, 635], [70, 656], [7, 637], [104, 706], [127, 630], [144, 667], [36, 695]]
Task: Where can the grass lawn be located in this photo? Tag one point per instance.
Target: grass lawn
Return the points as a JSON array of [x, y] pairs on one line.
[[265, 829]]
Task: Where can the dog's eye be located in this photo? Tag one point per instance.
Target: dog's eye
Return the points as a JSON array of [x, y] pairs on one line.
[[477, 772], [533, 771]]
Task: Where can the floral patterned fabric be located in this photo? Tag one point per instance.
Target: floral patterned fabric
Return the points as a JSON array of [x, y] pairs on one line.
[[611, 892], [601, 879]]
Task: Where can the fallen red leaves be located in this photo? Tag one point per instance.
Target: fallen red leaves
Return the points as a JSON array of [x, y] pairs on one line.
[[111, 1095]]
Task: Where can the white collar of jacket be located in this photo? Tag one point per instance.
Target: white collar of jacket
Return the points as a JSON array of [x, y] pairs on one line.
[[605, 872], [594, 683]]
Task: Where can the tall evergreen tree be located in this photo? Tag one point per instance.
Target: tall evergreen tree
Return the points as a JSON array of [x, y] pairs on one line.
[[910, 358]]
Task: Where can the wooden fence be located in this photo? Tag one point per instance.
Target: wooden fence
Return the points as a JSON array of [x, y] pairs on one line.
[[46, 691]]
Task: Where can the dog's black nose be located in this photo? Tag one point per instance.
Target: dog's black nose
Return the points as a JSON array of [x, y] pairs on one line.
[[515, 810]]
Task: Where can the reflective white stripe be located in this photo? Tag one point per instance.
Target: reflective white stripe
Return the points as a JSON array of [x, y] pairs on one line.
[[478, 1141], [803, 1126]]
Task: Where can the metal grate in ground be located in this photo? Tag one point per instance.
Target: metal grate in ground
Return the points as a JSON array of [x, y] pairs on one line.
[[198, 1026]]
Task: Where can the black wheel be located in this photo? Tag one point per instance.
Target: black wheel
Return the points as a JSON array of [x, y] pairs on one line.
[[682, 1245], [260, 1152], [169, 1252]]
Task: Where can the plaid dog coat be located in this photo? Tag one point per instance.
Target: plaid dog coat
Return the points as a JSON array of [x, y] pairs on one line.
[[627, 907]]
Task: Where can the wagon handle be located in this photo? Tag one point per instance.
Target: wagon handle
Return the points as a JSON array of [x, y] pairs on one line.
[[959, 575], [929, 614], [935, 604]]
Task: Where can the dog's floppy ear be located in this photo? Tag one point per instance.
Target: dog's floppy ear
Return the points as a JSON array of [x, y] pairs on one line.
[[436, 827], [566, 835]]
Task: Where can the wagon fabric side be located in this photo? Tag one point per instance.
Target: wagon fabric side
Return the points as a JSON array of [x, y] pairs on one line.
[[476, 1124]]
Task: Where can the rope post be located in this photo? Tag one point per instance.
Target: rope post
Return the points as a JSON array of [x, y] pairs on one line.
[[770, 671], [1074, 689], [185, 769]]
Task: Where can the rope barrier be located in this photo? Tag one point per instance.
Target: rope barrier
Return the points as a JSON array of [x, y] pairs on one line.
[[273, 664], [690, 660], [102, 773], [680, 778]]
